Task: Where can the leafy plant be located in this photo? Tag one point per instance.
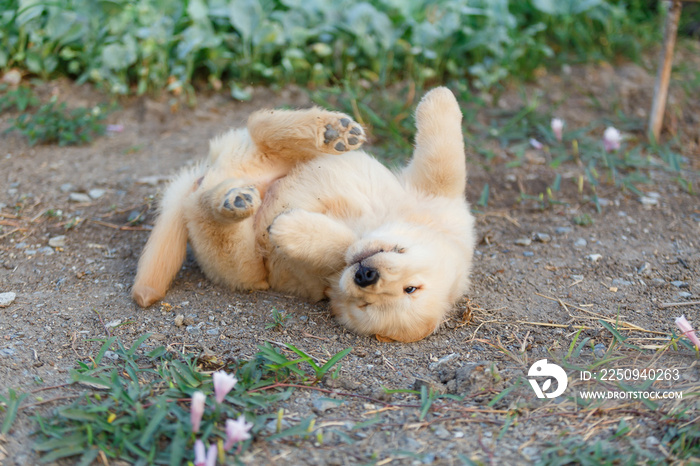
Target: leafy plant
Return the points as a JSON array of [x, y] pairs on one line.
[[143, 414], [168, 45], [54, 123], [278, 319], [20, 98]]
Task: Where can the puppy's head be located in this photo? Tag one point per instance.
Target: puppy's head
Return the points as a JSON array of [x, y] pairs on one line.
[[399, 282]]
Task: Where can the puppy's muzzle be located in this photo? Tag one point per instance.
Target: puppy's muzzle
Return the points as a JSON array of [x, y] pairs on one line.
[[366, 276]]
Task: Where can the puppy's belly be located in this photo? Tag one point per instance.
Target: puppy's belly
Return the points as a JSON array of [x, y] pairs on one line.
[[354, 189]]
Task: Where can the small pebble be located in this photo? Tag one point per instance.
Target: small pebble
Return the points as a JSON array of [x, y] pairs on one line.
[[685, 294], [79, 197], [46, 250], [434, 365], [96, 193], [179, 320], [580, 243], [111, 355], [646, 200], [594, 257], [679, 284], [528, 253], [577, 278], [621, 282], [58, 241], [562, 230], [7, 352], [644, 270], [67, 187], [7, 298], [599, 350], [543, 237], [213, 331], [523, 241]]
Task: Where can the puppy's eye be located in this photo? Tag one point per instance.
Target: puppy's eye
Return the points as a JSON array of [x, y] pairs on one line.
[[409, 289]]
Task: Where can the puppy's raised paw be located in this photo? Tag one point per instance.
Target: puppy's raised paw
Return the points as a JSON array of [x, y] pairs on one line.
[[340, 134], [239, 203]]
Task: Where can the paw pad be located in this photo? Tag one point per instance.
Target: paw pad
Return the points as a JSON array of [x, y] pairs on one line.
[[341, 134], [240, 202]]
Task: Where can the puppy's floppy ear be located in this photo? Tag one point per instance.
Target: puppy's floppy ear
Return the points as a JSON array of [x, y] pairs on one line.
[[166, 247]]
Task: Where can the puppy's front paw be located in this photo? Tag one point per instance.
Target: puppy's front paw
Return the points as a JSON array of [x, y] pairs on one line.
[[340, 134], [239, 203], [285, 231]]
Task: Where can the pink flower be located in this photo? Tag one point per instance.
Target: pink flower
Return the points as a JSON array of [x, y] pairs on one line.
[[687, 330], [536, 144], [223, 383], [211, 455], [611, 139], [200, 457], [196, 410], [237, 431], [557, 128]]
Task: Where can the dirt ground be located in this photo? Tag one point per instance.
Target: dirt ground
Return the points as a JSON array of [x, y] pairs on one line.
[[537, 275]]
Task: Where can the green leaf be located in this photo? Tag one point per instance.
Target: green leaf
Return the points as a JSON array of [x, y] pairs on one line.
[[12, 402], [137, 343], [103, 350], [153, 424], [76, 414], [334, 360], [62, 453], [245, 16]]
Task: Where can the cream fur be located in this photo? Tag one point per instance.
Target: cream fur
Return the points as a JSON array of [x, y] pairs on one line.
[[277, 205]]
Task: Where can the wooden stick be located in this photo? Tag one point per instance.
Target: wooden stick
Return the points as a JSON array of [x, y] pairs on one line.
[[658, 106], [688, 303]]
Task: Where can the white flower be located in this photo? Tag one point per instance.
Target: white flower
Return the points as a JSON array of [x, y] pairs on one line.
[[237, 431], [200, 456], [687, 330], [223, 383], [536, 144], [611, 139], [557, 128], [196, 410]]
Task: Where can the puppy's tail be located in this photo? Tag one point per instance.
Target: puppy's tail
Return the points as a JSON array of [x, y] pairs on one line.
[[166, 247]]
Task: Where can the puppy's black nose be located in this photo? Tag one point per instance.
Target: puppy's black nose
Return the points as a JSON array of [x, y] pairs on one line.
[[366, 276]]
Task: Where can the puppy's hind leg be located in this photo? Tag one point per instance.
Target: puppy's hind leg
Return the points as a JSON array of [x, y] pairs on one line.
[[438, 165], [166, 246], [297, 135]]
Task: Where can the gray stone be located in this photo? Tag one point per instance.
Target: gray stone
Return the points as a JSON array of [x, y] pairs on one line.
[[7, 352], [594, 257], [563, 230], [543, 237], [213, 331], [644, 270], [79, 197], [46, 250], [96, 193], [679, 284], [67, 187], [599, 350], [523, 241], [528, 253], [580, 243], [646, 200], [7, 298], [445, 359], [685, 294], [323, 404], [621, 282], [58, 241]]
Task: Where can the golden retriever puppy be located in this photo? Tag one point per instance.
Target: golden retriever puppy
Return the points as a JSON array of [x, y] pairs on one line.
[[290, 204]]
